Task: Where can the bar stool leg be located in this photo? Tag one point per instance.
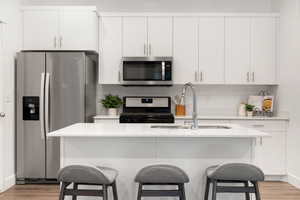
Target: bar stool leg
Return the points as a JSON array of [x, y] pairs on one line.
[[62, 191], [181, 191], [214, 190], [257, 193], [207, 187], [247, 194], [115, 191], [139, 196], [105, 196], [75, 188]]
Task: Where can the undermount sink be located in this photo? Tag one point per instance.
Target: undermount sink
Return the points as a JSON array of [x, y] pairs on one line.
[[190, 127]]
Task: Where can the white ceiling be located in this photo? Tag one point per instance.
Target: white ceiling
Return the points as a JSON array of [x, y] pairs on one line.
[[166, 5]]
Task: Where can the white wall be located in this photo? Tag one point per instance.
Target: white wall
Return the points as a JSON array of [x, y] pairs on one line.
[[167, 5], [289, 93], [9, 12], [212, 100]]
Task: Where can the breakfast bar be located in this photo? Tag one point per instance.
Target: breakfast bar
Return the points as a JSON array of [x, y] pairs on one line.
[[130, 147]]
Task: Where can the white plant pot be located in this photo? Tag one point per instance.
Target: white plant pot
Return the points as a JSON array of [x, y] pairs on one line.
[[112, 111], [250, 113]]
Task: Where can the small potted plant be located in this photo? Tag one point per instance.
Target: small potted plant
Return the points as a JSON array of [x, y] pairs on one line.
[[112, 104], [249, 109]]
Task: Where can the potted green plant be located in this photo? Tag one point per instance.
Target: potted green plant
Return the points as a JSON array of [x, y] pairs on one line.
[[249, 109], [112, 103]]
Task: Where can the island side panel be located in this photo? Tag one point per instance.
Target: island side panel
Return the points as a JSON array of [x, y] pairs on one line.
[[129, 155]]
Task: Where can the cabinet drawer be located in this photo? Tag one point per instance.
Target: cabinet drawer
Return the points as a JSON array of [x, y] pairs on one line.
[[263, 125]]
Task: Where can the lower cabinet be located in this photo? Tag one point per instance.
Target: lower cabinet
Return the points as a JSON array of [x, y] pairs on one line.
[[270, 152]]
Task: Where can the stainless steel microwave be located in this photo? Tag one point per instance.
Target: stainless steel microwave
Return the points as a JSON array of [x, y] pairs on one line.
[[147, 71]]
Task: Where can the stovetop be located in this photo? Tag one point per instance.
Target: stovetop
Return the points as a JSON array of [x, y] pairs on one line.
[[147, 110]]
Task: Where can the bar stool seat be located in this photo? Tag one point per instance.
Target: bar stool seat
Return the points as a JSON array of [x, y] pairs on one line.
[[87, 175], [234, 173], [161, 175]]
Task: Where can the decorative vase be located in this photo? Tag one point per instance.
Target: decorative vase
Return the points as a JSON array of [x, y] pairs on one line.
[[112, 111], [250, 113]]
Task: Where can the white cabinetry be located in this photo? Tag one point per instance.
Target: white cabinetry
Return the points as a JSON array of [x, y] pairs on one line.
[[211, 50], [250, 50], [263, 51], [55, 28], [237, 60], [147, 36], [111, 49], [40, 29], [270, 151], [185, 50], [160, 33], [135, 36]]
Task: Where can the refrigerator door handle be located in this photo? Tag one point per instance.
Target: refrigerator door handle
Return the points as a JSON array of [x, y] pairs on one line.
[[47, 101], [42, 106]]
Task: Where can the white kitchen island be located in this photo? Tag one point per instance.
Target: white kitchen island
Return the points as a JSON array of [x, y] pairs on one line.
[[130, 147]]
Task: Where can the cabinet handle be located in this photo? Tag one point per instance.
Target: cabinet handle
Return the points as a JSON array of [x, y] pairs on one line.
[[145, 49], [196, 76], [60, 41], [253, 77], [258, 125], [248, 76], [150, 50], [201, 76], [119, 76], [55, 42]]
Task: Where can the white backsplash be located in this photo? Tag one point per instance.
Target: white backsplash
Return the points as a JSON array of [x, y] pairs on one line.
[[213, 100]]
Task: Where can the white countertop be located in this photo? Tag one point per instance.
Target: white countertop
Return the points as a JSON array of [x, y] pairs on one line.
[[145, 131], [97, 117]]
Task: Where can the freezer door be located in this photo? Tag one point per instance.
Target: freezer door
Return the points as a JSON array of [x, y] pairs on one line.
[[30, 139], [66, 98]]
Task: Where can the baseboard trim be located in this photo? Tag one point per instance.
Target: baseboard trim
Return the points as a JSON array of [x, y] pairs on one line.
[[294, 180], [9, 182]]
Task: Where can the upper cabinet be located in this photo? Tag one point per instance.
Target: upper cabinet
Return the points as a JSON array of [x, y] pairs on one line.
[[185, 50], [251, 48], [264, 50], [237, 60], [211, 50], [160, 31], [111, 50], [47, 28], [135, 36], [147, 36], [40, 29], [206, 49]]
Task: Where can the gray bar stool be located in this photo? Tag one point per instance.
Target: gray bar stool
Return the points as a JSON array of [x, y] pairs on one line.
[[87, 175], [161, 175], [234, 173]]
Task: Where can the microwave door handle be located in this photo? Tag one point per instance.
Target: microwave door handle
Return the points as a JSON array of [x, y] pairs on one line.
[[163, 70], [42, 106], [47, 101]]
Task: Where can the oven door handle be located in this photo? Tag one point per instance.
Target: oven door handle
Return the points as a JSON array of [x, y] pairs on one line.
[[163, 70]]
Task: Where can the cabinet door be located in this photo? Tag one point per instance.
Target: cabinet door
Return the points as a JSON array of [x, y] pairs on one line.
[[134, 36], [78, 30], [271, 154], [160, 36], [211, 49], [40, 29], [111, 49], [237, 50], [185, 50], [263, 50]]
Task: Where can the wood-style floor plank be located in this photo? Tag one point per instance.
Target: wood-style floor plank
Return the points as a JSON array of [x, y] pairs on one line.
[[269, 191]]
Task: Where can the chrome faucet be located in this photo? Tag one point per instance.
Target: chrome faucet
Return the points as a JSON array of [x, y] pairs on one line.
[[195, 120]]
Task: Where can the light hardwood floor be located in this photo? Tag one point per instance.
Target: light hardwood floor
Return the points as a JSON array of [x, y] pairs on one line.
[[269, 191]]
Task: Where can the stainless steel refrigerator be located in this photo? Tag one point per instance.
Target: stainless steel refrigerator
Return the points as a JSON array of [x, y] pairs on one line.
[[53, 90]]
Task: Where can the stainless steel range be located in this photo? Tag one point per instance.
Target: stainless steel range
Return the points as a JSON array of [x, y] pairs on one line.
[[147, 110]]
